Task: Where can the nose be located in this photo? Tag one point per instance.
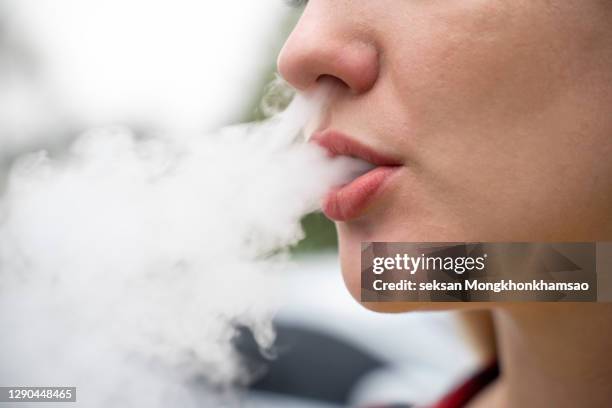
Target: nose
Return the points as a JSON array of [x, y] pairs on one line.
[[321, 47]]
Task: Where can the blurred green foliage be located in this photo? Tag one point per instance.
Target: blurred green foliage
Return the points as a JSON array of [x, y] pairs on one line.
[[320, 235]]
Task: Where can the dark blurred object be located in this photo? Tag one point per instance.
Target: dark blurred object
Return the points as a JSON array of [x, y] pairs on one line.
[[308, 364]]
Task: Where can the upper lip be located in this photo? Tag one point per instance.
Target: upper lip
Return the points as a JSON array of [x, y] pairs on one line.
[[339, 144]]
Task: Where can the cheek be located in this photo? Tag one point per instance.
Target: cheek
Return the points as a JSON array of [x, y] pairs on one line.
[[471, 65], [497, 117]]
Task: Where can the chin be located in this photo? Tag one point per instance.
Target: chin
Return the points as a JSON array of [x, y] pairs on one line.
[[350, 261]]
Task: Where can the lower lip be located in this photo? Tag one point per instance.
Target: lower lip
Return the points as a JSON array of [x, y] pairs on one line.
[[351, 200]]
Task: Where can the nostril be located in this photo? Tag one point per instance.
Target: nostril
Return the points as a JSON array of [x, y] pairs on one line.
[[354, 65], [313, 54], [332, 82]]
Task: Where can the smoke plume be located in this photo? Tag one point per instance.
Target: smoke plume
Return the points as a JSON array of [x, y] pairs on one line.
[[126, 263]]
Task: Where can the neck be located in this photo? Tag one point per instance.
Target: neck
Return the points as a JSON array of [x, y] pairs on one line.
[[555, 355]]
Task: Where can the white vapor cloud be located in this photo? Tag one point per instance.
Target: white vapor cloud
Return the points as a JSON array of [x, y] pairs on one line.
[[126, 263]]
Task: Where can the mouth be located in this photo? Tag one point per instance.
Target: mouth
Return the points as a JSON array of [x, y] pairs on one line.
[[351, 200]]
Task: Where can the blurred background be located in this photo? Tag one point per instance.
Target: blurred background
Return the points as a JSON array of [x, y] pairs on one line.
[[188, 66]]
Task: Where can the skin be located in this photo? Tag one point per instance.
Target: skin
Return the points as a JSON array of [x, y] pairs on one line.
[[501, 113], [499, 110]]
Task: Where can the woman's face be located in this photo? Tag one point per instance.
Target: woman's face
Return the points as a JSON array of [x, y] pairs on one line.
[[497, 115]]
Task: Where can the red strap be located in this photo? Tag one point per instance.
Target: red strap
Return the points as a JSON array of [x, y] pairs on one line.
[[461, 395]]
